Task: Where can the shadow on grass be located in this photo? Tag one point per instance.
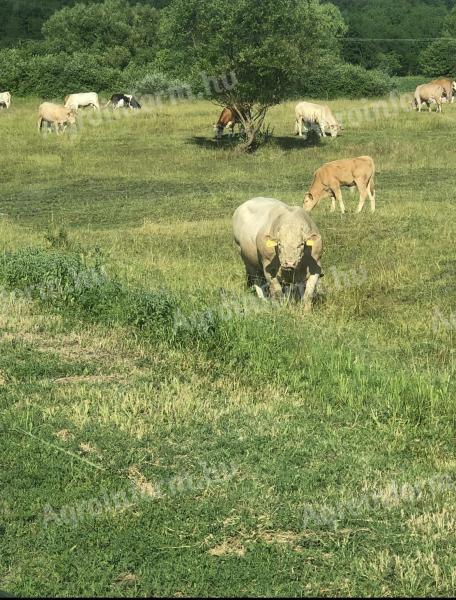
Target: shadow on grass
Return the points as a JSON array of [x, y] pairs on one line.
[[290, 142], [225, 143]]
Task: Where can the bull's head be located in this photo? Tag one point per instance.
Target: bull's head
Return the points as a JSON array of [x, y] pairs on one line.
[[289, 245]]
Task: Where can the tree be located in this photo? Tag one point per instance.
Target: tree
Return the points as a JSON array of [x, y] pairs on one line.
[[261, 47], [439, 58], [378, 28], [98, 27]]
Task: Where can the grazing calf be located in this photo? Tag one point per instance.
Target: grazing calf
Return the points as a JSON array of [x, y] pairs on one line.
[[281, 248], [428, 94], [331, 177], [76, 101], [229, 118], [316, 116], [55, 115], [5, 100]]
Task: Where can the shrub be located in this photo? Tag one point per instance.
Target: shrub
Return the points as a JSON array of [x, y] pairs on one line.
[[66, 282], [438, 59], [145, 80], [53, 75], [333, 79]]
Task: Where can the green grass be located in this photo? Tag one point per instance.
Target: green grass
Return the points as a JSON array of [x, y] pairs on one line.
[[100, 394]]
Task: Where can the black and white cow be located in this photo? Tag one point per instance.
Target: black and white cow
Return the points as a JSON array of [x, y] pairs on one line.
[[123, 101]]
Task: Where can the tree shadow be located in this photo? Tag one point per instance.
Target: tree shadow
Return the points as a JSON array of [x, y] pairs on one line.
[[290, 142], [225, 143]]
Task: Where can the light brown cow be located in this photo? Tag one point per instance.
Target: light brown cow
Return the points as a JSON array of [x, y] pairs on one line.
[[56, 115], [349, 172], [428, 93], [449, 87], [229, 118]]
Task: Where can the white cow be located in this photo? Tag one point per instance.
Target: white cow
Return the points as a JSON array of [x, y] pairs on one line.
[[281, 248], [5, 100], [315, 116], [428, 93], [75, 101]]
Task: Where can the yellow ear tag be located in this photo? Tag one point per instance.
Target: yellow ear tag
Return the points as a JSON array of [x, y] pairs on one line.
[[271, 244], [309, 243]]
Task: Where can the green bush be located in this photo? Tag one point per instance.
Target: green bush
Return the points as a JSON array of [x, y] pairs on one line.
[[439, 59], [54, 75], [145, 80], [332, 78], [64, 281]]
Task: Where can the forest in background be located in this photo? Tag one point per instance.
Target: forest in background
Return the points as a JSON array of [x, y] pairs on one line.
[[385, 21], [51, 47]]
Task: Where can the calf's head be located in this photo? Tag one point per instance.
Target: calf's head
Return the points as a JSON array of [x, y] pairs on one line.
[[309, 202], [71, 117]]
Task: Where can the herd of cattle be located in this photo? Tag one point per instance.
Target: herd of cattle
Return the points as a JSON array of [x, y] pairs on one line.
[[280, 245]]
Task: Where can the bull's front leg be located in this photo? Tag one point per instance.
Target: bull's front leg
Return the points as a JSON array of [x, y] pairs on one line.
[[275, 287], [309, 293]]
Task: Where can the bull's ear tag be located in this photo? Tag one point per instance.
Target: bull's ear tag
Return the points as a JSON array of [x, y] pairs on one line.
[[271, 243], [309, 243]]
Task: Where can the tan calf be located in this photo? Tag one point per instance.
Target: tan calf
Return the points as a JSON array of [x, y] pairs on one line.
[[56, 115], [331, 177]]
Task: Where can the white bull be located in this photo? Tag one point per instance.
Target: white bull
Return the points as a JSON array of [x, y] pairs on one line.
[[76, 101], [281, 248]]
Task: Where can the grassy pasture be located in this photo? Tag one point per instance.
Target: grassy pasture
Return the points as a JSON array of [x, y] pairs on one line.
[[331, 436]]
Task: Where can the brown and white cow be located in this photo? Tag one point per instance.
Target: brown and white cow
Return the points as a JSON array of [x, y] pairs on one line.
[[228, 119]]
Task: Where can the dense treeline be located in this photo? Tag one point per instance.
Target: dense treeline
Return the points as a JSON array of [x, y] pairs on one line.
[[380, 33], [113, 44], [151, 45]]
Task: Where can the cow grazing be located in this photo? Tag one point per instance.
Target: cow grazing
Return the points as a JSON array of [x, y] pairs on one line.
[[449, 87], [315, 116], [428, 94], [331, 177], [76, 101], [281, 248], [123, 101], [5, 100], [55, 115], [229, 118]]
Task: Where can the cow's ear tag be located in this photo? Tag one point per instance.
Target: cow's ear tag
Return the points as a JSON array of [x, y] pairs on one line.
[[309, 243], [271, 243]]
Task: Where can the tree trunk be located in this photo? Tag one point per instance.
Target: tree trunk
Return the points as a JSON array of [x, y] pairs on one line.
[[252, 125]]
